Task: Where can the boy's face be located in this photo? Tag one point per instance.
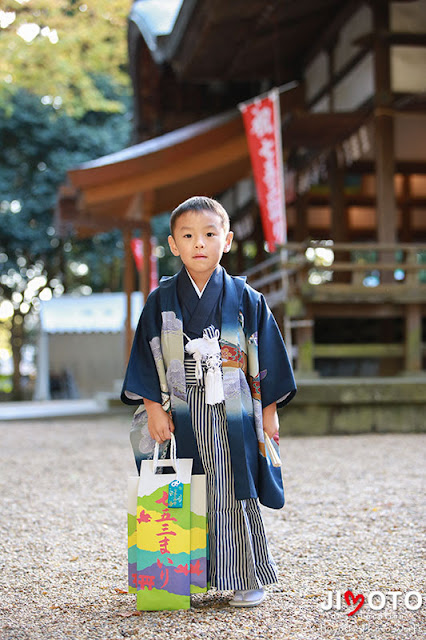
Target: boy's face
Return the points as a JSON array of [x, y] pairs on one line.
[[200, 240]]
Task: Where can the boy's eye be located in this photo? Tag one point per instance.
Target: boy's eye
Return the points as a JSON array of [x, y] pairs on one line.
[[187, 235], [210, 234]]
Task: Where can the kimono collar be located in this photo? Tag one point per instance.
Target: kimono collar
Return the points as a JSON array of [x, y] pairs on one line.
[[200, 312], [197, 290], [232, 299]]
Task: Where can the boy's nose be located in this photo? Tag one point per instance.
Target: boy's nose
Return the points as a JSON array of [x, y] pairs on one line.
[[199, 242]]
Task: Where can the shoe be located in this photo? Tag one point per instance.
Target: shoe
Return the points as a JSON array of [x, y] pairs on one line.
[[250, 598]]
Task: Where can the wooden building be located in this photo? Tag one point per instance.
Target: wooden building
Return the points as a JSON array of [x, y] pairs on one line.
[[349, 288]]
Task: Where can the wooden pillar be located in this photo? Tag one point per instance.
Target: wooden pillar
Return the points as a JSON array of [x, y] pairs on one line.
[[147, 202], [259, 237], [339, 220], [145, 275], [385, 167], [406, 226], [128, 288], [305, 348], [339, 217], [240, 257], [384, 130], [331, 70], [413, 339], [301, 229]]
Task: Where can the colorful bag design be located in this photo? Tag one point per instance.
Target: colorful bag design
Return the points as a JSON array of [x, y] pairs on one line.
[[199, 567], [132, 501], [167, 544]]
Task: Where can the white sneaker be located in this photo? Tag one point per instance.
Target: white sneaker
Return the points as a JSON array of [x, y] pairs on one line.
[[250, 598]]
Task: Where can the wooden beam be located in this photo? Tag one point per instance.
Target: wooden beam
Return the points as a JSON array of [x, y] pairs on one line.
[[355, 295], [365, 350], [189, 167], [405, 39], [405, 167]]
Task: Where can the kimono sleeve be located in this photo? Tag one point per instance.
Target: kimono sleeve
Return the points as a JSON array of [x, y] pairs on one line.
[[277, 382], [141, 379]]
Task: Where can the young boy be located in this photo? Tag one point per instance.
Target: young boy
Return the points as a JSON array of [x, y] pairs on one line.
[[209, 364]]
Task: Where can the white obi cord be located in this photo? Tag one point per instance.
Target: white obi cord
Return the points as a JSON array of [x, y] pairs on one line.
[[206, 350]]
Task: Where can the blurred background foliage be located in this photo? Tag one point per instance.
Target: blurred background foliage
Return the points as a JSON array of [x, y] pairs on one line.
[[58, 49], [64, 99]]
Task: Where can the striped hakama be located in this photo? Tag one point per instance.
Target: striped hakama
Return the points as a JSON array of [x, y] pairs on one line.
[[239, 554]]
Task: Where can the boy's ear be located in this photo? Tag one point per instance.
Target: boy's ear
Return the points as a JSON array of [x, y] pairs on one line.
[[173, 247], [228, 241]]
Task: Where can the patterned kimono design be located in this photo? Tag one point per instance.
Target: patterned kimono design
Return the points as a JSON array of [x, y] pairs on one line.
[[256, 372]]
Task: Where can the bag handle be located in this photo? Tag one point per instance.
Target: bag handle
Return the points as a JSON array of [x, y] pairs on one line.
[[171, 462], [275, 459]]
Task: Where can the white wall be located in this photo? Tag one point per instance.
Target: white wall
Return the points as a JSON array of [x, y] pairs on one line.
[[356, 87], [408, 69], [408, 16], [360, 24], [408, 63], [316, 75], [95, 360]]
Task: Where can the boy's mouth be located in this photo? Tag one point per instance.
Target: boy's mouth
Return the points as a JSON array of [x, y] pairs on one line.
[[200, 255]]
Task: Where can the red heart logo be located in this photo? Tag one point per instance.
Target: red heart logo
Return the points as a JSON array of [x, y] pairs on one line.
[[351, 599]]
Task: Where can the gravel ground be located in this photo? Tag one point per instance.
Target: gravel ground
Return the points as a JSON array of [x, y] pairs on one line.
[[353, 521]]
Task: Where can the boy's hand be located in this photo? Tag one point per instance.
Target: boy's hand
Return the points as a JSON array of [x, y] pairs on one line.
[[271, 424], [160, 423]]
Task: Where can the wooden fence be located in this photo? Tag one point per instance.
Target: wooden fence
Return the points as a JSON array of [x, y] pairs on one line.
[[369, 279]]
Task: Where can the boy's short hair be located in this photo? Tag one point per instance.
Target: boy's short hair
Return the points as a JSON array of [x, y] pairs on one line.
[[200, 203]]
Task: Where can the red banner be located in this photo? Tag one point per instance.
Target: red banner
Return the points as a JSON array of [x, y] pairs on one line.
[[137, 250], [263, 129]]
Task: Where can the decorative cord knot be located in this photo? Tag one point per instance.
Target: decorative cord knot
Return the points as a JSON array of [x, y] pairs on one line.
[[207, 350]]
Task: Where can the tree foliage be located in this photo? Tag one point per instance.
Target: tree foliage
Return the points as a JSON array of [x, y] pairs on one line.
[[59, 49], [37, 146], [64, 99]]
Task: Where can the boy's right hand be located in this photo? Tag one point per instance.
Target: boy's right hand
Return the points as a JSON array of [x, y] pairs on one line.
[[160, 423]]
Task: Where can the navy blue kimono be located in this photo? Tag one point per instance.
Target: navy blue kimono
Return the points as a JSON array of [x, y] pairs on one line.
[[256, 370]]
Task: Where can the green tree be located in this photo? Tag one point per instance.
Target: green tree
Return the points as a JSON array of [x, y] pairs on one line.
[[58, 49], [37, 146], [64, 99]]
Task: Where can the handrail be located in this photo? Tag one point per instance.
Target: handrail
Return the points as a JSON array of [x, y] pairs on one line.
[[354, 246], [287, 272]]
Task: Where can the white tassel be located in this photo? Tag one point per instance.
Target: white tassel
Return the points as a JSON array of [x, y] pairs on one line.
[[214, 386], [207, 350], [198, 368]]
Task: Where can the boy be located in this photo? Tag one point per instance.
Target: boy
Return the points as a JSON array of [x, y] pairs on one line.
[[209, 364]]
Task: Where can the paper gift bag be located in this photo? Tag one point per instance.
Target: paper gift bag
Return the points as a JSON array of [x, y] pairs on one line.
[[199, 538], [143, 448], [163, 534], [198, 569], [132, 499]]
